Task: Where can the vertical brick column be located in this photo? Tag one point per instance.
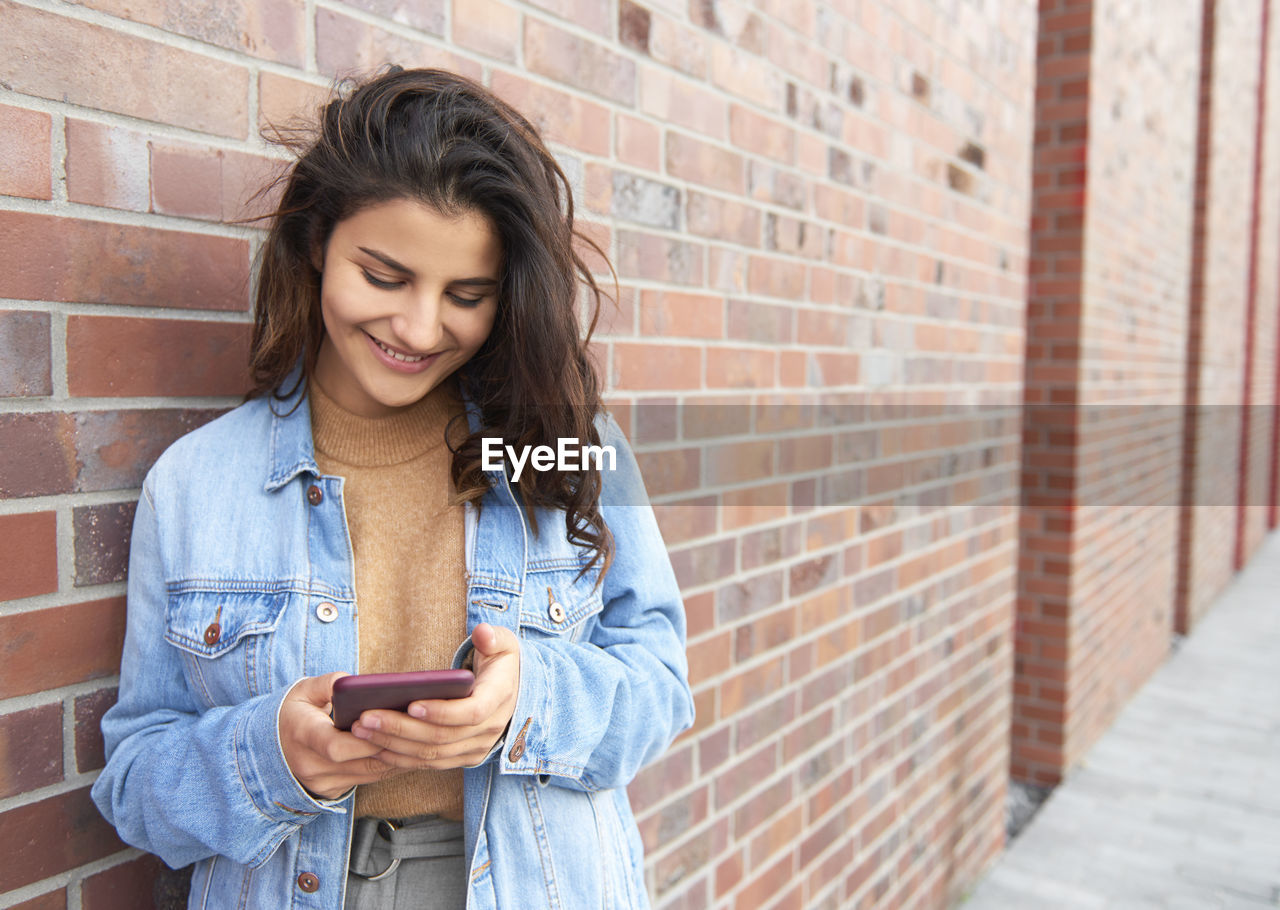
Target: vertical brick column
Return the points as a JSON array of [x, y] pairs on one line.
[[1055, 315]]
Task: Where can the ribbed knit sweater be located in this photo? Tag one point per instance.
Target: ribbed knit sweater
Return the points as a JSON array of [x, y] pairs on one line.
[[410, 568]]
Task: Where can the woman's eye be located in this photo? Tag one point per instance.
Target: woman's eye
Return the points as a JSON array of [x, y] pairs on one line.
[[378, 282], [466, 301]]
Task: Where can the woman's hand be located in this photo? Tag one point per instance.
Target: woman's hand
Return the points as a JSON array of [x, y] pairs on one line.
[[457, 732], [325, 760]]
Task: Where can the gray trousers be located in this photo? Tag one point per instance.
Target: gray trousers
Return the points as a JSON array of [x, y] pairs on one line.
[[416, 864]]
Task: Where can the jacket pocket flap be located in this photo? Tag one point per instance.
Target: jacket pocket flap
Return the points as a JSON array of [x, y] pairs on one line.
[[556, 600], [209, 623]]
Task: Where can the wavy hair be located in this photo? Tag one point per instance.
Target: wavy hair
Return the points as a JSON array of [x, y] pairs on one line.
[[443, 140]]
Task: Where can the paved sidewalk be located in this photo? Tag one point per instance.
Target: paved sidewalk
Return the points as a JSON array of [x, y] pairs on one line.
[[1178, 805]]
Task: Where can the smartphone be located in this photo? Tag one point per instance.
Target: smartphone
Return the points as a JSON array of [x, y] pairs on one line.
[[353, 695]]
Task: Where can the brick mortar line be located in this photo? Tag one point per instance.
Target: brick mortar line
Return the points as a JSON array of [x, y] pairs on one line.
[[95, 403], [124, 218], [72, 308], [69, 597], [70, 880], [309, 64]]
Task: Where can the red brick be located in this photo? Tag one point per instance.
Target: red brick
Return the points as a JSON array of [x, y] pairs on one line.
[[59, 646], [699, 162], [633, 26], [740, 368], [488, 27], [763, 322], [639, 142], [90, 752], [559, 117], [774, 277], [583, 64], [657, 366], [589, 14], [114, 448], [424, 15], [723, 219], [52, 836], [120, 73], [682, 102], [762, 135], [25, 368], [130, 886], [283, 100], [685, 315], [269, 29], [66, 259], [347, 46], [30, 749], [107, 166], [39, 454], [670, 42], [114, 356], [102, 542], [25, 153], [30, 547], [652, 257]]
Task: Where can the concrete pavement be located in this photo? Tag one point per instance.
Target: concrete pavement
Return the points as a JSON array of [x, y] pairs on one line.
[[1178, 805]]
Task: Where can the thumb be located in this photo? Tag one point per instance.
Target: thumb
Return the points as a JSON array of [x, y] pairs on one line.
[[316, 690], [491, 640]]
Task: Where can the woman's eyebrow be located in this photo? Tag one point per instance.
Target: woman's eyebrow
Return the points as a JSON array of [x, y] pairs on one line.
[[388, 261]]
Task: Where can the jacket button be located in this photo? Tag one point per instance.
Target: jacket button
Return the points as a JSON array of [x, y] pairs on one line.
[[308, 882], [326, 612], [212, 634], [517, 751], [556, 612], [315, 495]]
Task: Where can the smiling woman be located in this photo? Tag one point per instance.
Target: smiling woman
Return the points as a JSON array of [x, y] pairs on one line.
[[417, 294], [408, 296]]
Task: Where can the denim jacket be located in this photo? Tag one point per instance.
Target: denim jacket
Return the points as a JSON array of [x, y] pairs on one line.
[[240, 554]]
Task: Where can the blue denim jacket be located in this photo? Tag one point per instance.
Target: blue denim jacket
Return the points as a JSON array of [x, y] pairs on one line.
[[239, 540]]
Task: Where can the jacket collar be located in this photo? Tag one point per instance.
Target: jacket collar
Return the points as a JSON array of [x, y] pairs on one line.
[[292, 451]]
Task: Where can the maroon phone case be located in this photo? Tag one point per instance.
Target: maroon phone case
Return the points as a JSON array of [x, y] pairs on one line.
[[353, 695]]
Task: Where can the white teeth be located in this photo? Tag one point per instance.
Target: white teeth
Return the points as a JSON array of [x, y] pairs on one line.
[[403, 358]]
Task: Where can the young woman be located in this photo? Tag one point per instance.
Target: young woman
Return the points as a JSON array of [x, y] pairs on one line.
[[417, 293]]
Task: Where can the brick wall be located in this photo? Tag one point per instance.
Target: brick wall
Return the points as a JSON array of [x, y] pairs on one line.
[[832, 251], [814, 209], [1138, 337], [1219, 296]]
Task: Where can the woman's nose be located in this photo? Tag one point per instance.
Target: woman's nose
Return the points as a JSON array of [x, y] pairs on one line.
[[421, 326]]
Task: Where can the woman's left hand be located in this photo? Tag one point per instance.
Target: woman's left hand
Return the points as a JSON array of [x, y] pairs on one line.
[[458, 732]]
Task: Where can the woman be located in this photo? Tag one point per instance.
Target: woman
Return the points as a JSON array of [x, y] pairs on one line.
[[416, 295]]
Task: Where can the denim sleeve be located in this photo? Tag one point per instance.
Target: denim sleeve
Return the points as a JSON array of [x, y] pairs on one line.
[[182, 782], [591, 713]]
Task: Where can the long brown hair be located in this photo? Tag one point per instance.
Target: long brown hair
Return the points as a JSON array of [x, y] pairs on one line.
[[441, 139]]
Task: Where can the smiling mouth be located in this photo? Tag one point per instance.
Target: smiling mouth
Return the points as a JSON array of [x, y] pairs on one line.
[[403, 358]]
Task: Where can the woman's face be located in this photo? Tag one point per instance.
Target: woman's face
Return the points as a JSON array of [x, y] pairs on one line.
[[408, 295]]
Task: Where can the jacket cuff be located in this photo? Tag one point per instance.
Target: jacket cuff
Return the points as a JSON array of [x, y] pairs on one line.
[[268, 780], [528, 745]]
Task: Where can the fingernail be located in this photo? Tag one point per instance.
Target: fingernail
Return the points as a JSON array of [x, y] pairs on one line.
[[360, 732], [373, 722], [417, 711]]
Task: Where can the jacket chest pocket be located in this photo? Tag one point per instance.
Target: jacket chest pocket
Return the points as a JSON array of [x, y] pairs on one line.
[[558, 604], [226, 640]]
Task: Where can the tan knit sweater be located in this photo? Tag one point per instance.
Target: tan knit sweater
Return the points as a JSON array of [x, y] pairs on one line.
[[407, 535]]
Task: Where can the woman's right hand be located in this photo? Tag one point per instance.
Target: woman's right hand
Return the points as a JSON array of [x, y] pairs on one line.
[[325, 760]]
